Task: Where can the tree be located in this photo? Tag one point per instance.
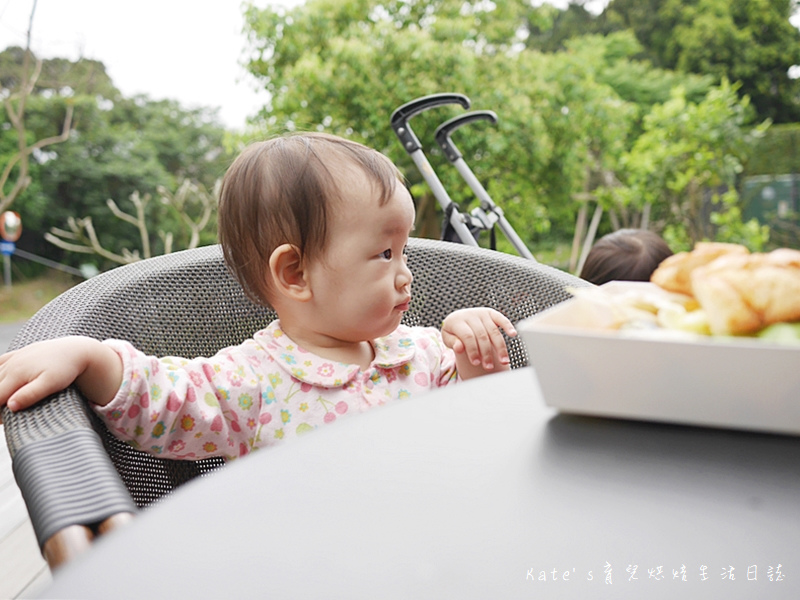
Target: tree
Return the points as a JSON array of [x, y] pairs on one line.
[[191, 204], [40, 104], [134, 147], [685, 164], [15, 175], [576, 125], [549, 27], [57, 75], [344, 67], [117, 147], [749, 41]]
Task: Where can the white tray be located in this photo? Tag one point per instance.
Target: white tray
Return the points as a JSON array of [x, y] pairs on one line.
[[743, 383]]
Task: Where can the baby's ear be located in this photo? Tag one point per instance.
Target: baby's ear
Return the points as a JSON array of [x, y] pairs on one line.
[[288, 274]]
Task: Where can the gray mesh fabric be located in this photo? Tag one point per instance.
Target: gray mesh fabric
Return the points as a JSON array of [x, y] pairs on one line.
[[188, 304]]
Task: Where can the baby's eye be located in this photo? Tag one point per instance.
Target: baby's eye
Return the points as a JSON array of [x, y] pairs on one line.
[[387, 254]]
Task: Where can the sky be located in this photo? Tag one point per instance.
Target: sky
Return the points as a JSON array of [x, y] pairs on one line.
[[182, 50]]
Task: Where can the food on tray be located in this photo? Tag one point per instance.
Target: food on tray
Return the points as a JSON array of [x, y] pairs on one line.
[[781, 333], [637, 308], [674, 273], [717, 289], [742, 294]]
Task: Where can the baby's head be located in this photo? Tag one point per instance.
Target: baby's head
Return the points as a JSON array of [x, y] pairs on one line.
[[284, 191], [625, 255]]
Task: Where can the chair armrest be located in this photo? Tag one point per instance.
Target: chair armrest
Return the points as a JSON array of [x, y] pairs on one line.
[[66, 477], [67, 543]]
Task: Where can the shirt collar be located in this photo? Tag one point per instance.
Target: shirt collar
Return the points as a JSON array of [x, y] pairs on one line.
[[391, 351]]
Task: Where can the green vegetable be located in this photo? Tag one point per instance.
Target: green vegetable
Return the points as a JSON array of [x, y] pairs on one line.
[[781, 333]]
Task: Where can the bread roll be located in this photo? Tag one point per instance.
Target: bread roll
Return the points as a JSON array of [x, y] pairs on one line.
[[743, 293], [674, 272]]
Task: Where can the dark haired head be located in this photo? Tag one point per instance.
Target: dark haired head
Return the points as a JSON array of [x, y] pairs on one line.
[[283, 191], [625, 255]]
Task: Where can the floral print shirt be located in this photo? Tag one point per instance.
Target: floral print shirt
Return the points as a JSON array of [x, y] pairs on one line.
[[263, 391]]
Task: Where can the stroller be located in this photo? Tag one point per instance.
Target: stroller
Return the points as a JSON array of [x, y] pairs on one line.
[[458, 226]]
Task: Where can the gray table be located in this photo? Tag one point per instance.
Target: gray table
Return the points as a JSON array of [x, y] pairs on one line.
[[479, 491]]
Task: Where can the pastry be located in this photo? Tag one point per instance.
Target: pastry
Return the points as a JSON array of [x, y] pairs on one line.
[[743, 293], [674, 272]]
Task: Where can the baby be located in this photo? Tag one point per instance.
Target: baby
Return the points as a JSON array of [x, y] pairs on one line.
[[315, 226]]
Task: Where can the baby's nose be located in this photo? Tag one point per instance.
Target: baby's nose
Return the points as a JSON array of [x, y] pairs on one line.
[[404, 277]]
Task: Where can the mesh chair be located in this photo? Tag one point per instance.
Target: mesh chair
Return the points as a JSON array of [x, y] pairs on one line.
[[78, 480]]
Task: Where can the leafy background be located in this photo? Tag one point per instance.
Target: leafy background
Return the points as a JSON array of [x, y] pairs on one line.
[[659, 109]]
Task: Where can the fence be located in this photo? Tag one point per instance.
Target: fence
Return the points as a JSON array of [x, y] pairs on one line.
[[775, 201]]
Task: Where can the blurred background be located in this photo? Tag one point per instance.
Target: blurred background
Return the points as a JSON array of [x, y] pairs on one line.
[[118, 120]]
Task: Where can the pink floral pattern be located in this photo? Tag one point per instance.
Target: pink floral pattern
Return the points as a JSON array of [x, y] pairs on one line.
[[263, 391]]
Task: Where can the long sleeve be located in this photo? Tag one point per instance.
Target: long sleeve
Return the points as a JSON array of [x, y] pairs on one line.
[[262, 392], [190, 409]]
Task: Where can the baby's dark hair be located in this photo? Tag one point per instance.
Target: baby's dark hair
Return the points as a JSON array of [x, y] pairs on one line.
[[282, 191], [625, 255]]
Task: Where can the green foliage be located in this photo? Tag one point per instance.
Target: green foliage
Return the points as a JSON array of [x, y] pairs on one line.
[[550, 28], [59, 76], [747, 41], [732, 228], [686, 150], [118, 146], [615, 107], [634, 80], [135, 146], [777, 152], [191, 207], [557, 121], [588, 118]]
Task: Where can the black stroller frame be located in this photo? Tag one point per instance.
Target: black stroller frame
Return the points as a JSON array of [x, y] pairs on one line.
[[487, 215]]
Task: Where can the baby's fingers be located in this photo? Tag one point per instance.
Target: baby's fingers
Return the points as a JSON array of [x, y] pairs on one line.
[[503, 322], [474, 334], [492, 344], [6, 378], [459, 335], [482, 341], [30, 393], [22, 386], [452, 341]]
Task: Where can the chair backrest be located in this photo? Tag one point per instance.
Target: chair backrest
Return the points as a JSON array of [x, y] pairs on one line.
[[188, 304]]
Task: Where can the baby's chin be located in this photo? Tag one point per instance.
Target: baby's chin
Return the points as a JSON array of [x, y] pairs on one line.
[[388, 330]]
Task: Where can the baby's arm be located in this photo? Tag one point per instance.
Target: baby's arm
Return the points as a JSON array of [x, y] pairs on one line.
[[32, 373], [474, 335]]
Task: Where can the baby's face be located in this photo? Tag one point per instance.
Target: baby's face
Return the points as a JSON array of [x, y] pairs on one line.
[[362, 284]]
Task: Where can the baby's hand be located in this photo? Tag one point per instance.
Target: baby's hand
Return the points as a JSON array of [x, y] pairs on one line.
[[474, 335], [34, 372]]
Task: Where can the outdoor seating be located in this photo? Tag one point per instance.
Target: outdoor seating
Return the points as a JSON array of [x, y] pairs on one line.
[[78, 480]]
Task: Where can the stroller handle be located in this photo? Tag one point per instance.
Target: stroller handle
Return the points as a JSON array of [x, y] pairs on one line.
[[402, 114], [444, 130]]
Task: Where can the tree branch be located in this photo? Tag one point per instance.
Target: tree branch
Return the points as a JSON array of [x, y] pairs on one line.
[[81, 229], [17, 118]]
